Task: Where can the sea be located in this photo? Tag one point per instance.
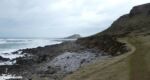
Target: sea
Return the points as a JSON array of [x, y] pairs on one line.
[[13, 44], [8, 45]]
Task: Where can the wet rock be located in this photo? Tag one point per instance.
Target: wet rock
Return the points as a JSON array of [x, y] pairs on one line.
[[3, 59]]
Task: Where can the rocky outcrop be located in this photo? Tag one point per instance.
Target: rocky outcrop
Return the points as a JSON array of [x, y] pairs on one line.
[[75, 36], [106, 43], [70, 62], [141, 9]]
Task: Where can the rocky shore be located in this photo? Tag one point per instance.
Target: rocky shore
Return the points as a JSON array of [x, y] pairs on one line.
[[53, 62]]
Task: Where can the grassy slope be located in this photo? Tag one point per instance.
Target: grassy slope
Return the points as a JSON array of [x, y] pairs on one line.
[[134, 65], [140, 60]]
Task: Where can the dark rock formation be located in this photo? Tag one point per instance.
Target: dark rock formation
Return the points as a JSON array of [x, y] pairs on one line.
[[3, 59], [106, 43], [141, 9]]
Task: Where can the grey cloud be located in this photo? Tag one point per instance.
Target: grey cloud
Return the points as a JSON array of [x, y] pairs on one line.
[[58, 18]]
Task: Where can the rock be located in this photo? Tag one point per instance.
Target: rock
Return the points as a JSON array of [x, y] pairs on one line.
[[141, 9], [4, 59], [24, 61], [51, 70], [69, 62], [105, 43]]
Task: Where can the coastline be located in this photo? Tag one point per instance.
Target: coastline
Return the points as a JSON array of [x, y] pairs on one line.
[[35, 58], [55, 61]]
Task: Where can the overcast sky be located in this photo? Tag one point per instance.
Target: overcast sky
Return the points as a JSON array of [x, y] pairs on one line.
[[59, 18]]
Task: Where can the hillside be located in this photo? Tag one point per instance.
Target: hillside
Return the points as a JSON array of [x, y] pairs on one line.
[[133, 29], [136, 22]]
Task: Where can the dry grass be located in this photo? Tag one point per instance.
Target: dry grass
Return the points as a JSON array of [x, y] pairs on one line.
[[140, 59]]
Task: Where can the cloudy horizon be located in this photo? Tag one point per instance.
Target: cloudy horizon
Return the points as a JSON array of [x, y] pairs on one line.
[[60, 18]]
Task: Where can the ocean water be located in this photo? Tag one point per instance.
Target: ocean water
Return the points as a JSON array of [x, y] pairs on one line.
[[10, 45]]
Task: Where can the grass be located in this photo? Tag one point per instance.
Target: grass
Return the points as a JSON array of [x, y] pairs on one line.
[[134, 65], [140, 59]]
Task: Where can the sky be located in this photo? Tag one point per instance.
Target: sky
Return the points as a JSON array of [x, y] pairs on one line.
[[60, 18]]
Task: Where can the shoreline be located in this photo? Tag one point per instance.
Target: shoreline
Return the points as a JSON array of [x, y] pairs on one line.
[[53, 61], [7, 57], [35, 57]]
